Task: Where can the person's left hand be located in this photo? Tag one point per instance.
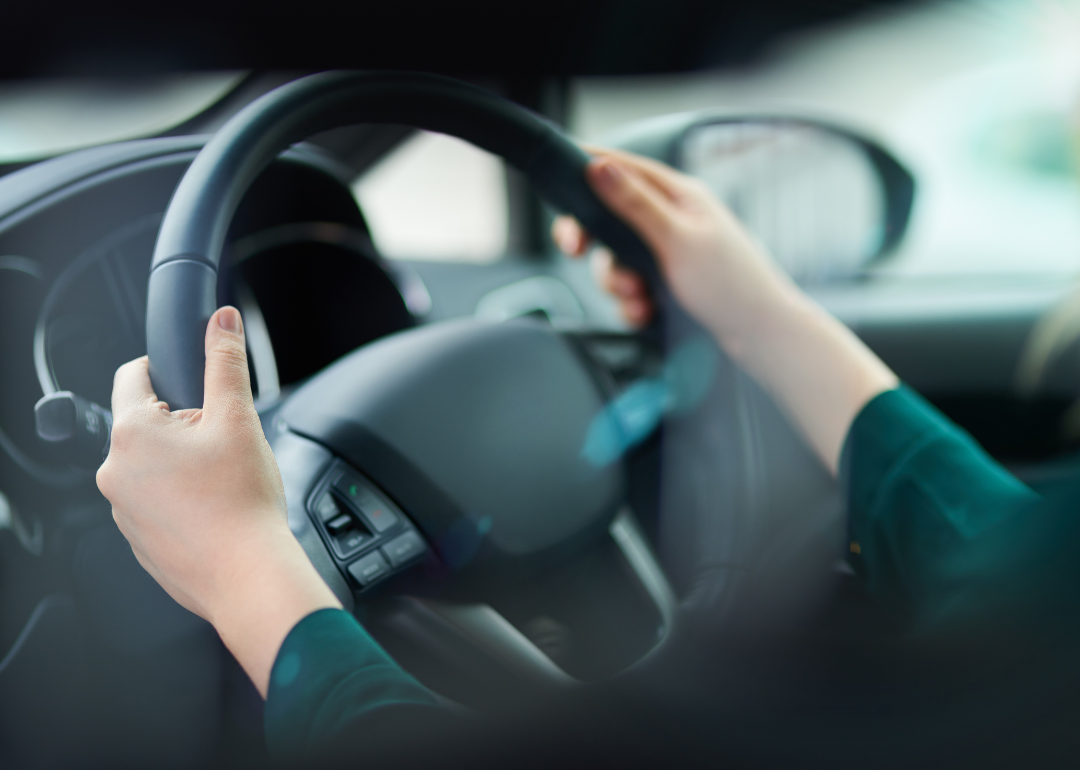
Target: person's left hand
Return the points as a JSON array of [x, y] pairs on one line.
[[198, 496]]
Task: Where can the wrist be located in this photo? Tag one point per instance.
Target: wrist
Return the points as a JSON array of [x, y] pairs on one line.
[[816, 369], [268, 586]]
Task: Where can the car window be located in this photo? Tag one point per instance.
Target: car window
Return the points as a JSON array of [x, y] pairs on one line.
[[436, 197], [979, 99], [40, 118]]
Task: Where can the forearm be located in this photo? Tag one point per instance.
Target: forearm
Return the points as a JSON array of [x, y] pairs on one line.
[[819, 372], [267, 587]]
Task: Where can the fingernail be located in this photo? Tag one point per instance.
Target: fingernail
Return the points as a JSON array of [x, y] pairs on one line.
[[229, 319], [608, 173]]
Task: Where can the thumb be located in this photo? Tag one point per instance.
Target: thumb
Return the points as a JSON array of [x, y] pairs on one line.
[[227, 385]]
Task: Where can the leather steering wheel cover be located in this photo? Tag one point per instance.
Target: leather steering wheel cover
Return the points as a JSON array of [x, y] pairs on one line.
[[716, 518], [183, 273]]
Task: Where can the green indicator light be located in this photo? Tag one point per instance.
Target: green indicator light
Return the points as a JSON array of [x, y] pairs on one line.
[[352, 490]]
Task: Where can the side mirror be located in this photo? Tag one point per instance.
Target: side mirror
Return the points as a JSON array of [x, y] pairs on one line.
[[824, 201]]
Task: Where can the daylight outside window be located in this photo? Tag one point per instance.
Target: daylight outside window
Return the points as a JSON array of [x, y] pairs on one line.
[[978, 98], [42, 118], [436, 197]]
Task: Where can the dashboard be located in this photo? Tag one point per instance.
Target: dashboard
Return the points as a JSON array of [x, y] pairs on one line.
[[77, 234], [76, 237]]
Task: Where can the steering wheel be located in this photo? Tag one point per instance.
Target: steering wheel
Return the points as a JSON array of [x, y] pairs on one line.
[[461, 440], [183, 275], [457, 445]]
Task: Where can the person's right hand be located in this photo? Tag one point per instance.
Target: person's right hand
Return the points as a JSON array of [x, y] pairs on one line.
[[817, 370], [715, 269]]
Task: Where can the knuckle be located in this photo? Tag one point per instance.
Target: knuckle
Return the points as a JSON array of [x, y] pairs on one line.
[[232, 354], [104, 479], [662, 228], [122, 433], [230, 364], [121, 370], [631, 197]]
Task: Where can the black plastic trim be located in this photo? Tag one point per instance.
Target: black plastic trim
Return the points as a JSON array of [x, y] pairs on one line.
[[378, 539]]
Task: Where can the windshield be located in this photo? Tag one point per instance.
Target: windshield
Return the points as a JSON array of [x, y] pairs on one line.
[[40, 118]]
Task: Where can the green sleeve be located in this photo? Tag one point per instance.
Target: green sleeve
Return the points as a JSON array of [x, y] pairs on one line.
[[329, 680], [938, 529]]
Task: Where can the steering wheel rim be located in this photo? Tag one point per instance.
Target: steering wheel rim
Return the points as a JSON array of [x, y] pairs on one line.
[[183, 283], [183, 275]]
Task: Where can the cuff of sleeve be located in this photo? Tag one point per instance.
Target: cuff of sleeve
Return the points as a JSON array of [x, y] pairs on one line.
[[938, 530], [887, 429], [329, 673]]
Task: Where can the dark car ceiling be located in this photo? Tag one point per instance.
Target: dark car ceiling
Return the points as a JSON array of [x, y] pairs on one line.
[[568, 37]]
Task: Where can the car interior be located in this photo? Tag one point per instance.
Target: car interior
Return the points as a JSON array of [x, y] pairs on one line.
[[516, 493]]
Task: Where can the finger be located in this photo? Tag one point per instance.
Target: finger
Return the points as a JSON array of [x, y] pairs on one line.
[[669, 181], [570, 236], [132, 388], [638, 203], [636, 311], [626, 283], [615, 279], [227, 386], [635, 306]]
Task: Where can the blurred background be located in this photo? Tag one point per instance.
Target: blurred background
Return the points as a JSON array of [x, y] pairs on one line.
[[978, 97]]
